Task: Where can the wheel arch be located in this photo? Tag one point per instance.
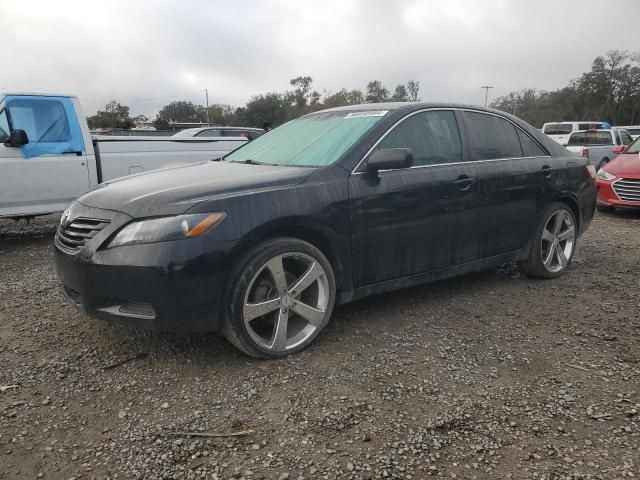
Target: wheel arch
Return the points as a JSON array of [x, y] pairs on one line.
[[573, 204], [320, 236]]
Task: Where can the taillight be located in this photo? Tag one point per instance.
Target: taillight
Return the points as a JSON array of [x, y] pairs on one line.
[[585, 152], [592, 172]]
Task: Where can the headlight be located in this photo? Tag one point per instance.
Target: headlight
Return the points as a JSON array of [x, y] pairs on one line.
[[604, 175], [166, 228]]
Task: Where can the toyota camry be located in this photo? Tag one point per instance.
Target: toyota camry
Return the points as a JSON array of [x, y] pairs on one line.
[[328, 208]]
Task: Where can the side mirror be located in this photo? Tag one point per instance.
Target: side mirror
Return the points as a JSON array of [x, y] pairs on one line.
[[619, 149], [390, 159], [17, 138]]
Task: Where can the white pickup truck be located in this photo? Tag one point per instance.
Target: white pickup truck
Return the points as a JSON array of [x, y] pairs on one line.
[[48, 157], [599, 146]]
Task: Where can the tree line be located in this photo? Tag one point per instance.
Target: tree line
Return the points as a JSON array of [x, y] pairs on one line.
[[609, 92], [272, 108]]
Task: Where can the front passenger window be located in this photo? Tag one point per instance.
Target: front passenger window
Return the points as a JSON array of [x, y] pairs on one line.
[[432, 137]]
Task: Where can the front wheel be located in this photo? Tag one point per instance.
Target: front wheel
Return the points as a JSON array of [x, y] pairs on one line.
[[553, 243], [281, 296]]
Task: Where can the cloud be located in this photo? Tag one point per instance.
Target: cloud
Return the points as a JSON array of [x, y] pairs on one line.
[[149, 53]]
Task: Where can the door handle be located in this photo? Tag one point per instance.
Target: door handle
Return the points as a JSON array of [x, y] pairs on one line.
[[547, 171], [464, 182]]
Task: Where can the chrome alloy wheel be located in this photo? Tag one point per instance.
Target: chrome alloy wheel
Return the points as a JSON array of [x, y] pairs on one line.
[[286, 302], [558, 241]]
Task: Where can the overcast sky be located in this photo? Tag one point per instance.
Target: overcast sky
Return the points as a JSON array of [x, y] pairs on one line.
[[148, 53]]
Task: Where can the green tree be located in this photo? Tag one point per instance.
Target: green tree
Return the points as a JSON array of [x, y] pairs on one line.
[[220, 114], [181, 111], [272, 108], [413, 88], [376, 92], [400, 94], [114, 115], [301, 94]]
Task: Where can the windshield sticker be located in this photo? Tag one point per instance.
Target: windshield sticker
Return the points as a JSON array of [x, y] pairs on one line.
[[372, 113]]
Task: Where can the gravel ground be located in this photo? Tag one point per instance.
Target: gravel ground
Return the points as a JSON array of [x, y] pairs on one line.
[[490, 375]]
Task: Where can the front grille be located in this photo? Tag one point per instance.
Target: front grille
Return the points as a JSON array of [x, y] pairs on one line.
[[71, 237], [628, 189]]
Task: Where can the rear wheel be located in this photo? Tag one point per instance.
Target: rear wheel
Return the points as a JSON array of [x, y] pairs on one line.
[[281, 296], [553, 243]]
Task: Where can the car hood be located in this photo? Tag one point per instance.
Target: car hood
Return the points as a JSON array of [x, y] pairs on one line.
[[175, 190], [625, 164]]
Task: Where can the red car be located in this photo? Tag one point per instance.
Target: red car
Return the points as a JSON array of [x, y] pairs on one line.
[[618, 182]]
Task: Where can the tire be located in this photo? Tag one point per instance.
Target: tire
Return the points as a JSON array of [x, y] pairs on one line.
[[265, 290], [602, 163], [552, 247]]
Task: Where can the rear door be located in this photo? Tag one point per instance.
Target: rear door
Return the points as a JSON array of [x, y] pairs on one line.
[[513, 170], [45, 182], [419, 219]]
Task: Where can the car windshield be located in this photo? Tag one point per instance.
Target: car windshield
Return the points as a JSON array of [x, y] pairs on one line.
[[558, 128], [634, 147], [315, 140], [591, 138]]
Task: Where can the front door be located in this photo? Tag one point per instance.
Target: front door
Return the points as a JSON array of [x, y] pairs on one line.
[[45, 182], [419, 219]]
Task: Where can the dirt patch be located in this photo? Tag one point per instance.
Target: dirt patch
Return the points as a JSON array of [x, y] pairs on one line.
[[490, 375]]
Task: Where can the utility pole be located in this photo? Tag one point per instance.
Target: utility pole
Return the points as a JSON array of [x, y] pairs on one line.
[[206, 96], [486, 93]]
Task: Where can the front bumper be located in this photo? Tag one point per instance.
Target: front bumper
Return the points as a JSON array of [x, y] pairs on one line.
[[607, 197], [174, 286]]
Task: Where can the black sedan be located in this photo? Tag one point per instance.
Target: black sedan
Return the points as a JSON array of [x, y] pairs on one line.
[[328, 208]]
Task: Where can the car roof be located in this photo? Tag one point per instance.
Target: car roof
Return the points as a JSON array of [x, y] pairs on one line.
[[408, 107]]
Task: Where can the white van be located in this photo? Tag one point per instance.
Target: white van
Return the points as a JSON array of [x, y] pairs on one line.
[[560, 131]]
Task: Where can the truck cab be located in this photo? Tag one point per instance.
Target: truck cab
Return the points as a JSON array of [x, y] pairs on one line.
[[48, 156], [45, 173]]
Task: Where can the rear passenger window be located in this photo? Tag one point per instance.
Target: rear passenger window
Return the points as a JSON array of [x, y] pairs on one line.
[[491, 137], [529, 147], [433, 138]]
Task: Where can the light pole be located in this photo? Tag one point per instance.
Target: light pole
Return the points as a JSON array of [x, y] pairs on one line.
[[486, 93], [206, 96]]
